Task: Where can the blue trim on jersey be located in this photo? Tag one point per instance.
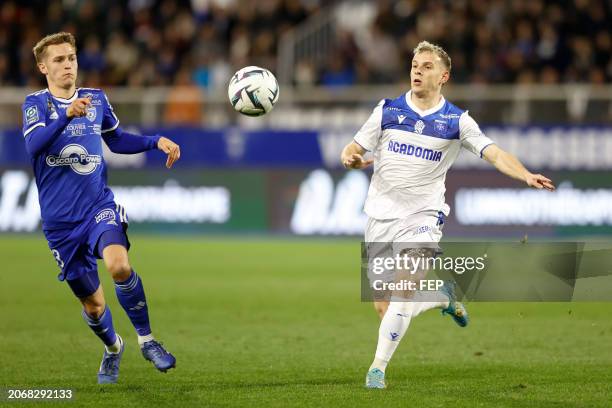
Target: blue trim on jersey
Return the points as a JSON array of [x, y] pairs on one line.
[[482, 150], [442, 124]]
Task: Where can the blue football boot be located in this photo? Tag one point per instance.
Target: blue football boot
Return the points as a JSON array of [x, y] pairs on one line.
[[109, 368], [154, 352], [455, 309], [375, 379]]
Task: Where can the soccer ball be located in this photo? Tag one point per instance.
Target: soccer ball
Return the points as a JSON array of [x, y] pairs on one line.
[[253, 91]]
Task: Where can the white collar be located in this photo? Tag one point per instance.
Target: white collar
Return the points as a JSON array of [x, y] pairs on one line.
[[424, 112], [63, 100]]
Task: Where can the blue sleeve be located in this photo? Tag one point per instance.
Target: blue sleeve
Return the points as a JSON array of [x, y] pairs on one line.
[[38, 136], [110, 121], [34, 114], [119, 141]]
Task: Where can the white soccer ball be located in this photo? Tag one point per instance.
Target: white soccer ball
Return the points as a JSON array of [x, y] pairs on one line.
[[253, 91]]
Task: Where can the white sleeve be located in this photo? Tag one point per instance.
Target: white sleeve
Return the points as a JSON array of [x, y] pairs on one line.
[[369, 134], [471, 136]]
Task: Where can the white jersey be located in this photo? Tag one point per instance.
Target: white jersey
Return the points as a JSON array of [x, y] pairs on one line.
[[413, 150]]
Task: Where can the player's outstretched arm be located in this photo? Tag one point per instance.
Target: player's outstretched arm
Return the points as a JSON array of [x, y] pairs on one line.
[[119, 141], [511, 166], [352, 156]]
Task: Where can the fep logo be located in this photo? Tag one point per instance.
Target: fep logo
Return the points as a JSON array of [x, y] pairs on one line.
[[77, 157]]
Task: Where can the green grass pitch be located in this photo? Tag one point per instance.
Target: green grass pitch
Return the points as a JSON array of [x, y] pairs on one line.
[[277, 323]]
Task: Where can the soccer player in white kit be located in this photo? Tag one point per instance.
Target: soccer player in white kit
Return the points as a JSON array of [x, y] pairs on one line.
[[414, 139]]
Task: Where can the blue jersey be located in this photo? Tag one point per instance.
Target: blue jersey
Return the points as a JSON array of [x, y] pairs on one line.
[[70, 172]]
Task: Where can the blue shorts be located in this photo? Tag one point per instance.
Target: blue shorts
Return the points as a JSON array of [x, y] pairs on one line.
[[76, 250]]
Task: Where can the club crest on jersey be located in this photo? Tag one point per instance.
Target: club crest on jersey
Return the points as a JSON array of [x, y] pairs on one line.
[[31, 115], [419, 126], [106, 215], [77, 157], [91, 113]]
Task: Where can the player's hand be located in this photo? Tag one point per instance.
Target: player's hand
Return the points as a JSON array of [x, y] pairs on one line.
[[539, 181], [356, 161], [171, 149], [78, 107]]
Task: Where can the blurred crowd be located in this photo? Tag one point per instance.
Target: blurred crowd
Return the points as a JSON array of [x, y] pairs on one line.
[[200, 42], [490, 41]]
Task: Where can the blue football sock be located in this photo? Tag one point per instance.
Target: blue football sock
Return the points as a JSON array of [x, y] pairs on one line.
[[103, 326], [132, 297]]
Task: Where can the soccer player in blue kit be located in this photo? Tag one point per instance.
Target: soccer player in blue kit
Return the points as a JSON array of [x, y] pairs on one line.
[[63, 127]]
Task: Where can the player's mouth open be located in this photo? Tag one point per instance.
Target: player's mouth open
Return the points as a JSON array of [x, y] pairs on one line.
[[416, 82]]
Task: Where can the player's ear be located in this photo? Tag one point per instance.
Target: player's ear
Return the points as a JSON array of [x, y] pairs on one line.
[[445, 77], [42, 68]]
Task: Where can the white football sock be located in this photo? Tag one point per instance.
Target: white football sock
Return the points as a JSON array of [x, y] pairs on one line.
[[115, 348], [392, 328], [143, 339]]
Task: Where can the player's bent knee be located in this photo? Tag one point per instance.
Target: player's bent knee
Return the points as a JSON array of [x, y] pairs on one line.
[[94, 305], [403, 308], [381, 308], [119, 269], [94, 311]]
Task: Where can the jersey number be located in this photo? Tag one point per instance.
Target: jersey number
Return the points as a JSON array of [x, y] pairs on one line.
[[58, 259]]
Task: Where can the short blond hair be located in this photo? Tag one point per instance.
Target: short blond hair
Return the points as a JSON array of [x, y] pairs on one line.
[[52, 39], [436, 49]]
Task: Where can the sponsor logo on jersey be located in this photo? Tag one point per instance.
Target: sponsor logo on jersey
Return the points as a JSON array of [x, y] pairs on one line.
[[77, 157], [76, 129], [400, 118], [450, 116], [91, 113], [441, 126], [419, 126], [106, 215], [416, 151], [94, 102], [31, 115]]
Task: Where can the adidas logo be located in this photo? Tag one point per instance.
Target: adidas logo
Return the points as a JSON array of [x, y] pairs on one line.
[[138, 306]]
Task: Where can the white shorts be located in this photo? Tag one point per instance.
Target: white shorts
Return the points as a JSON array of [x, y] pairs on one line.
[[387, 238], [420, 227]]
